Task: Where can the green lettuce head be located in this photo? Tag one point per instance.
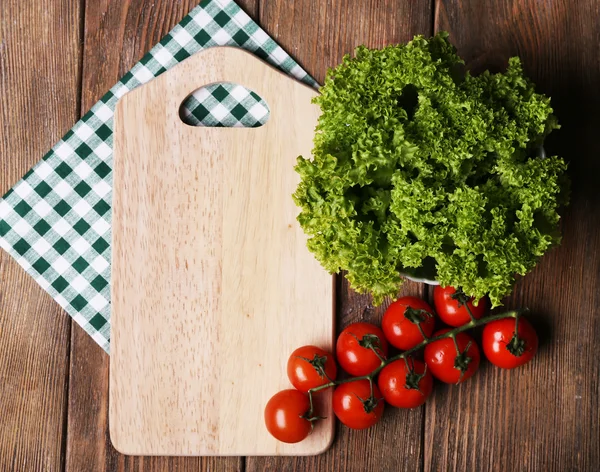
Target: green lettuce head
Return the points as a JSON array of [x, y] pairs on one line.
[[416, 162]]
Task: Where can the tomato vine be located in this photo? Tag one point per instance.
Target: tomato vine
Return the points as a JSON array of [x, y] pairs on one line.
[[426, 341]]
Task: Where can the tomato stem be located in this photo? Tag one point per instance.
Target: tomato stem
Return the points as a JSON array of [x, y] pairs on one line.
[[470, 313], [463, 300], [516, 346], [462, 360], [318, 363], [403, 355], [377, 354], [370, 341], [417, 316], [328, 378], [412, 378], [453, 336], [425, 337], [310, 400]]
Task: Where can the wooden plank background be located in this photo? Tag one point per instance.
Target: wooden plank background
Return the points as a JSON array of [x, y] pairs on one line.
[[57, 57]]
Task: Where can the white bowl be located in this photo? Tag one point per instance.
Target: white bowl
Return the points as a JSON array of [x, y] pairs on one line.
[[421, 275], [420, 280]]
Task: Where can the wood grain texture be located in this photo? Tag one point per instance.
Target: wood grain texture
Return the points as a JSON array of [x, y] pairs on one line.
[[317, 35], [546, 415], [395, 444], [212, 285], [116, 35], [38, 102]]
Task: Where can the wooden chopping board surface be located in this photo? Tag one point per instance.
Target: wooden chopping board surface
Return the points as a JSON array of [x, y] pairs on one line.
[[212, 284]]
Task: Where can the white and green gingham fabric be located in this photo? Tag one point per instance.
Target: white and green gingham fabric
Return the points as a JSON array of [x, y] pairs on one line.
[[56, 222]]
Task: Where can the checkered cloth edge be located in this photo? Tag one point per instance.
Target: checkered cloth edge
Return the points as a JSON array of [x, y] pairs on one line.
[[56, 221]]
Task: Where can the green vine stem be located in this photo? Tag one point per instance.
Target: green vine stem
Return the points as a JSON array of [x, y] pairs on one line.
[[463, 300], [474, 323], [471, 313]]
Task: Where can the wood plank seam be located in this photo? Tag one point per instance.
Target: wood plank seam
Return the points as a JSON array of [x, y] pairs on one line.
[[65, 435]]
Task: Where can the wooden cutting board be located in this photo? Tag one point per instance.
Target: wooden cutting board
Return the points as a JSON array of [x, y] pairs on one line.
[[212, 284]]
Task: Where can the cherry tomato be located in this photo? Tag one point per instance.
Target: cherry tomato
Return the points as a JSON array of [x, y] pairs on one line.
[[451, 306], [405, 384], [354, 406], [284, 416], [401, 322], [353, 349], [445, 364], [309, 367], [503, 348]]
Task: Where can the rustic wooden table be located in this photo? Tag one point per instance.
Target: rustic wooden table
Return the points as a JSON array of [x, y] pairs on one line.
[[57, 57]]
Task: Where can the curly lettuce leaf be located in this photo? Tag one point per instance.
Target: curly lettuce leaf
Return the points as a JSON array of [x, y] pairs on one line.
[[415, 161]]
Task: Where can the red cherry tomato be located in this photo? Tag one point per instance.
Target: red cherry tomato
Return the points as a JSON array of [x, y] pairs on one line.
[[444, 362], [401, 322], [284, 416], [353, 352], [309, 367], [405, 386], [354, 406], [503, 348], [451, 306]]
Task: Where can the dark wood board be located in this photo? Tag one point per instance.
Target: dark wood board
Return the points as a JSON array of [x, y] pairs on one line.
[[38, 103], [318, 34], [546, 415]]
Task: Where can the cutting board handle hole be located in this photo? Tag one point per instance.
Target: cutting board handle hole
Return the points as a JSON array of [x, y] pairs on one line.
[[224, 104]]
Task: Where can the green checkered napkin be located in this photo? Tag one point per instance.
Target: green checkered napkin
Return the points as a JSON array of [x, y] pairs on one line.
[[56, 222]]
